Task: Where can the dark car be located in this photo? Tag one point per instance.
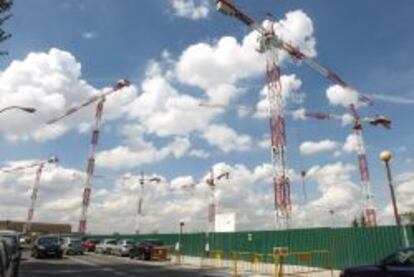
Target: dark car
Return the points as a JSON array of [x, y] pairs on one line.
[[398, 264], [47, 246], [143, 250], [13, 240], [6, 267]]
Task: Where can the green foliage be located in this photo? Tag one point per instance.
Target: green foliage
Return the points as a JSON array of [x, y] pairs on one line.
[[5, 6]]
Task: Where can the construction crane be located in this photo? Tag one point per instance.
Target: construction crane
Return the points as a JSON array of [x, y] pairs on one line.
[[212, 203], [212, 183], [39, 165], [269, 44], [369, 211], [90, 168], [269, 40], [140, 201]]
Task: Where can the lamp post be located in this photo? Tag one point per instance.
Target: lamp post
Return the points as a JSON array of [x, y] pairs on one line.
[[386, 157], [25, 109], [179, 241]]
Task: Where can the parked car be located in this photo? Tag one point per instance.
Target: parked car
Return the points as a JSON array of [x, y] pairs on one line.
[[90, 245], [398, 264], [13, 241], [72, 246], [123, 247], [47, 246], [105, 247], [6, 266], [143, 250]]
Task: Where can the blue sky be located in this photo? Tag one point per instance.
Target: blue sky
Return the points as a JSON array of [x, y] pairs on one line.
[[368, 43]]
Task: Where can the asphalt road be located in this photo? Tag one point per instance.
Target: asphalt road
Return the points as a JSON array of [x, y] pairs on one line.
[[103, 266]]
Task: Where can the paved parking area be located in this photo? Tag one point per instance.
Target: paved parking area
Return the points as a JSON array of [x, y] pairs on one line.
[[98, 265]]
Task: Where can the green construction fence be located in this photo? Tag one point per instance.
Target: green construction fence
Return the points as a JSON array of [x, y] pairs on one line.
[[346, 246]]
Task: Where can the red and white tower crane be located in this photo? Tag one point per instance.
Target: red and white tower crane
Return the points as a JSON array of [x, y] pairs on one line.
[[90, 168], [369, 211], [39, 165], [270, 44], [143, 181]]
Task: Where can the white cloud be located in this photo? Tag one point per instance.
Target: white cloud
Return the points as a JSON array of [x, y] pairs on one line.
[[216, 68], [89, 35], [51, 82], [340, 96], [393, 99], [299, 114], [141, 153], [161, 109], [113, 207], [226, 138], [297, 29], [404, 190], [199, 153], [311, 148], [405, 194], [337, 192], [192, 9], [351, 143], [290, 88]]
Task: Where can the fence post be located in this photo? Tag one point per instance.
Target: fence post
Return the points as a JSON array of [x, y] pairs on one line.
[[235, 273]]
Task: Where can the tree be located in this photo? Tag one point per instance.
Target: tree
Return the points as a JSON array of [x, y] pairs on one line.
[[5, 6], [355, 223]]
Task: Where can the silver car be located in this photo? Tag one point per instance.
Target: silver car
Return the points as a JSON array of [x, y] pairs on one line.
[[123, 247], [72, 246], [105, 247]]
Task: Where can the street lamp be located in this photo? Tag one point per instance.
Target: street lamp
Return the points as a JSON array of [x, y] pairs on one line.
[[386, 157], [179, 241], [142, 181], [25, 109]]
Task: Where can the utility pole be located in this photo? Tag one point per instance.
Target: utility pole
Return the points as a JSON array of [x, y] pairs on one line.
[[386, 157]]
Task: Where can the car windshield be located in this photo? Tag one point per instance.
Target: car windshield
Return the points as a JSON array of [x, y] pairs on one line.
[[48, 241]]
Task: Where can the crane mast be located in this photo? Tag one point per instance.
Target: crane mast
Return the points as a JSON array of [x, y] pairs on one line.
[[33, 199], [35, 190], [281, 186], [90, 167], [368, 209]]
